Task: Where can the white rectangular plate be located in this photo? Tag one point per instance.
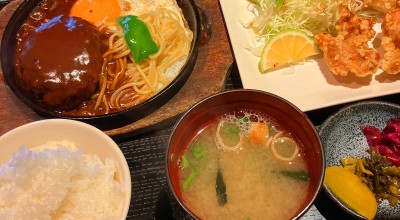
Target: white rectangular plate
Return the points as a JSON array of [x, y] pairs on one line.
[[312, 85]]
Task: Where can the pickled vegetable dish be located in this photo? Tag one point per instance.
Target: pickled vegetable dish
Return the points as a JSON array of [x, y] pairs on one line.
[[381, 170], [363, 182]]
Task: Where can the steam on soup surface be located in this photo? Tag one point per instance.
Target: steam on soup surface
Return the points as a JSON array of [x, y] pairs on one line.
[[244, 166]]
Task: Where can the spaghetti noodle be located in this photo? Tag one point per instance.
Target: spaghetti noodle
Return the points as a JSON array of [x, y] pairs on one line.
[[128, 83]]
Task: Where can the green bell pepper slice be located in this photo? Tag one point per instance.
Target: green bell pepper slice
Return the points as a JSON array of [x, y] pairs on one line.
[[138, 37]]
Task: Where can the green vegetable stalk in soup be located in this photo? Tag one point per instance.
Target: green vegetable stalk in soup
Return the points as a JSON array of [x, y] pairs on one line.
[[220, 188], [191, 161], [298, 175]]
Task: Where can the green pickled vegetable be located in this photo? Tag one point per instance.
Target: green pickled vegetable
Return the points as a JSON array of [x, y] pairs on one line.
[[221, 189], [391, 199], [392, 171], [137, 37], [299, 175], [348, 161], [384, 181]]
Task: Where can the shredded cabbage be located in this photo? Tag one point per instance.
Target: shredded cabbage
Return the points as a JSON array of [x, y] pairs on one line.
[[310, 16]]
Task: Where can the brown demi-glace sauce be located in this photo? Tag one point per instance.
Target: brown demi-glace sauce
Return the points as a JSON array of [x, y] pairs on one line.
[[59, 66]]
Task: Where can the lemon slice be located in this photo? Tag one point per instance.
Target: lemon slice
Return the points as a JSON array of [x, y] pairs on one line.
[[287, 47]]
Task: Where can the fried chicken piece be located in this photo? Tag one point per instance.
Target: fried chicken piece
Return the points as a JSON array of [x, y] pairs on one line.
[[382, 5], [391, 42], [348, 52]]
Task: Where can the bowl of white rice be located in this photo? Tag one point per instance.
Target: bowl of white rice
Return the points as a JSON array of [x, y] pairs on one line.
[[62, 169]]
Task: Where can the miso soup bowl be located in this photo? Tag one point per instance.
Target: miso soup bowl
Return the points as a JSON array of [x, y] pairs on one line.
[[285, 114]]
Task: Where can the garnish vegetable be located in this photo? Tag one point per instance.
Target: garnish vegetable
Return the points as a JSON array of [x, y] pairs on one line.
[[299, 175], [287, 47], [228, 136], [313, 16], [196, 161], [189, 179], [284, 148], [197, 150], [137, 37], [259, 132], [220, 188]]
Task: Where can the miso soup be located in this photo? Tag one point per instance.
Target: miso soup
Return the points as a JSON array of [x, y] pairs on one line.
[[244, 165]]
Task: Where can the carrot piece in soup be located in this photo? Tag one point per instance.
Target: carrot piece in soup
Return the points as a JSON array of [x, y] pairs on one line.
[[259, 133]]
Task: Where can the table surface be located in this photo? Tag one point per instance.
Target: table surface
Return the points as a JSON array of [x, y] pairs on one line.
[[145, 153]]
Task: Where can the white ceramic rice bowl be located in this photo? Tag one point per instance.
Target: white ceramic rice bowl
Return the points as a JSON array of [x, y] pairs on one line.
[[91, 139]]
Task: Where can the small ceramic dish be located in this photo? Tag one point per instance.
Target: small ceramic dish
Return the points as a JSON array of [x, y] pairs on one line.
[[90, 139], [341, 137]]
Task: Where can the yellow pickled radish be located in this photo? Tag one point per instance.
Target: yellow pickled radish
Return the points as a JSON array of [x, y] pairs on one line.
[[287, 47], [351, 190]]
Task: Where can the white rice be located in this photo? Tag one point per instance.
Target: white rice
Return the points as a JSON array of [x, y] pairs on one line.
[[58, 181]]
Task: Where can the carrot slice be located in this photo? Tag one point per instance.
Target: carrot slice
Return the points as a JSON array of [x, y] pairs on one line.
[[259, 133]]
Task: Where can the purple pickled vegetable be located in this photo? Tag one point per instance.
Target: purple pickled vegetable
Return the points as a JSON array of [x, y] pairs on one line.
[[393, 126], [387, 142], [372, 134], [392, 132]]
